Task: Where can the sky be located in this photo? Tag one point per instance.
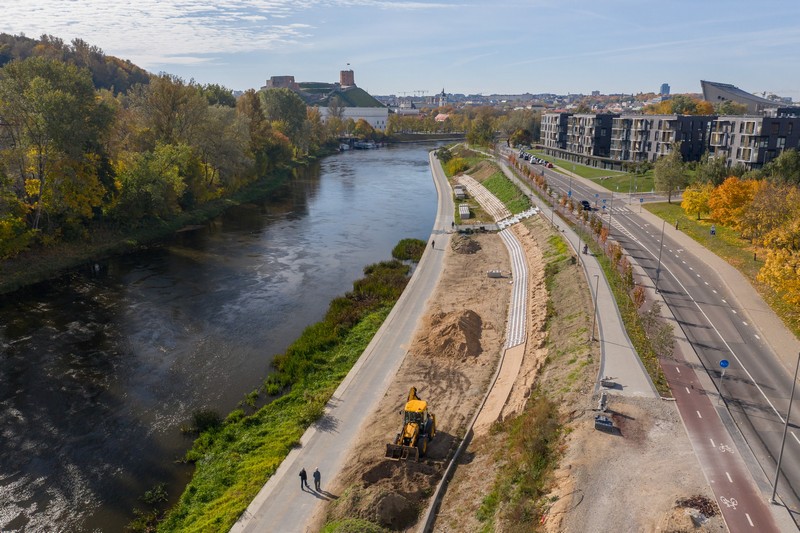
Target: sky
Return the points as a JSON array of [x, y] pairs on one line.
[[424, 46]]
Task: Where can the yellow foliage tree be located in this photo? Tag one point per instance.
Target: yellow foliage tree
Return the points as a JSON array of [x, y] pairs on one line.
[[730, 199], [695, 199], [781, 271]]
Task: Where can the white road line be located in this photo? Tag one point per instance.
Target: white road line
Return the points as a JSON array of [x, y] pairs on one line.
[[712, 443], [734, 311], [705, 282], [795, 437], [724, 301], [678, 369], [684, 262], [714, 291], [698, 275], [757, 337], [687, 390], [691, 268], [698, 414], [749, 520], [743, 322], [729, 477]]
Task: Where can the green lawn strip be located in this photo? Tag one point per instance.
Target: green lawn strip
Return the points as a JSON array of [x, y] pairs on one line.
[[353, 525], [508, 193], [613, 180], [234, 461], [730, 247]]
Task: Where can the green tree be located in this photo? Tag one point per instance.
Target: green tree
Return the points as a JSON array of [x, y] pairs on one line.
[[785, 168], [218, 95], [668, 172], [286, 111], [729, 107], [480, 131], [711, 170]]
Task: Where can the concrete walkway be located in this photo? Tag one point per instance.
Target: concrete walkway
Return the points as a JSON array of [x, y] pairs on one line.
[[619, 361], [281, 505]]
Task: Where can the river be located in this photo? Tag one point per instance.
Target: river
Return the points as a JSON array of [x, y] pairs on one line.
[[101, 369]]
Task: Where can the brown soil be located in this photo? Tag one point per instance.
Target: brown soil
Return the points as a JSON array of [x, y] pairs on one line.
[[451, 361]]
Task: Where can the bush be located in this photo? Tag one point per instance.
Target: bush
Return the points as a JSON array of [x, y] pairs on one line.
[[206, 419], [456, 165], [409, 250]]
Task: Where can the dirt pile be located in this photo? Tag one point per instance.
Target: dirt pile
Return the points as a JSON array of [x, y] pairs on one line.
[[465, 245], [455, 335], [692, 514]]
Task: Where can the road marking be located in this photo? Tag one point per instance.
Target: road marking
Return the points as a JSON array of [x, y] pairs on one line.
[[749, 520], [687, 390], [678, 369], [757, 337], [714, 291], [698, 414], [743, 322], [795, 437], [705, 282], [684, 262], [734, 311], [732, 503], [729, 477], [724, 301], [712, 442], [691, 268], [698, 275]]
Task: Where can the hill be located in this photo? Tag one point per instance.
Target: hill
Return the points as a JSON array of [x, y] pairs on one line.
[[108, 72]]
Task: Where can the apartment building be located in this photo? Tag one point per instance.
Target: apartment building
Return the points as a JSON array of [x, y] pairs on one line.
[[608, 140]]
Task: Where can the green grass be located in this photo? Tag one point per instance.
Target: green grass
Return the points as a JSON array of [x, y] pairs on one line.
[[507, 192], [235, 459], [615, 181], [729, 246]]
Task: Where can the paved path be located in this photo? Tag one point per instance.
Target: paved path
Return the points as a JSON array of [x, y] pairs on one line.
[[281, 505], [619, 360]]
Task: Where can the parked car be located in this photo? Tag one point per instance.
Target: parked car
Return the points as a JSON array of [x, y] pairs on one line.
[[549, 165], [587, 206]]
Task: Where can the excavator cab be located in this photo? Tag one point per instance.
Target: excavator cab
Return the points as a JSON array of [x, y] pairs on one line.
[[419, 427]]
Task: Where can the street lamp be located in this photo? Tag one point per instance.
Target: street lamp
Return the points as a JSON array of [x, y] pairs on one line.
[[785, 429], [594, 316]]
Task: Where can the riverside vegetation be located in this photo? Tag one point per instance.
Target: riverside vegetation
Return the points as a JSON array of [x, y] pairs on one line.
[[234, 457]]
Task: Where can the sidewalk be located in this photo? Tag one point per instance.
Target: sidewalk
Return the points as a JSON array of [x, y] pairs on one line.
[[619, 361]]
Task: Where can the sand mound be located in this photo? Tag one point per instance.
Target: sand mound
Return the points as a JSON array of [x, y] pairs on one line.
[[454, 335], [465, 245]]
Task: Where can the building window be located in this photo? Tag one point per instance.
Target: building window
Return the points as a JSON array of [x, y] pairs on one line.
[[790, 128], [775, 128], [781, 143]]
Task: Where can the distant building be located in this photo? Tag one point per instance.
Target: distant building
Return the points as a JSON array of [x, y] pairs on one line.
[[595, 93], [355, 102], [716, 93], [664, 89]]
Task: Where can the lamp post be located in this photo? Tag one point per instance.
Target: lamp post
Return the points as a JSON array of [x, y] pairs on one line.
[[785, 429], [660, 247], [594, 316]]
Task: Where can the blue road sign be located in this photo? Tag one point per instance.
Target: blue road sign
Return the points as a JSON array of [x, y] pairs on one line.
[[569, 193], [641, 200], [724, 363]]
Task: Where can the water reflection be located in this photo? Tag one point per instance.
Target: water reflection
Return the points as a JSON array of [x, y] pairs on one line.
[[98, 372]]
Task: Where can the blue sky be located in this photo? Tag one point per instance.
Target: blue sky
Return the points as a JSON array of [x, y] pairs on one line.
[[463, 46]]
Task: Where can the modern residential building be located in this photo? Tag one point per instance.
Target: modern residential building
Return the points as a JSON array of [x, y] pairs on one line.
[[664, 91], [609, 141]]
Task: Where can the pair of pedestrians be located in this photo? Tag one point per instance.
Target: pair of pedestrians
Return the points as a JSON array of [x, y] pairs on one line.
[[304, 479]]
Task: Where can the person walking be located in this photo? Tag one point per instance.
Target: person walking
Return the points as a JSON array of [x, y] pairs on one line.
[[303, 479], [433, 244], [317, 478]]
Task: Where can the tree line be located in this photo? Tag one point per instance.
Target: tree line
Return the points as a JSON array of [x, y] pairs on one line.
[[763, 205], [74, 156]]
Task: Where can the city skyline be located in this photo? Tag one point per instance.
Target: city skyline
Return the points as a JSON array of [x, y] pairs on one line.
[[510, 47]]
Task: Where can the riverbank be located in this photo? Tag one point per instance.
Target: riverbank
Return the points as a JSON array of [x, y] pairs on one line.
[[43, 263]]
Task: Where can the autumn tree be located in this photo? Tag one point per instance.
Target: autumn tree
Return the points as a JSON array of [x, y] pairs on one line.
[[695, 199], [773, 207], [480, 131], [286, 111], [51, 125], [729, 107], [668, 172], [729, 201]]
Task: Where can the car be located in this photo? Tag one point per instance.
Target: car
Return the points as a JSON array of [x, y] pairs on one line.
[[527, 156], [549, 165], [587, 206]]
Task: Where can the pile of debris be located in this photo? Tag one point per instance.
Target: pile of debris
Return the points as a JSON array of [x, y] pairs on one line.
[[700, 503], [465, 245]]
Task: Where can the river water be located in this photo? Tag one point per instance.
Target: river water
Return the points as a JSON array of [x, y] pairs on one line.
[[99, 370]]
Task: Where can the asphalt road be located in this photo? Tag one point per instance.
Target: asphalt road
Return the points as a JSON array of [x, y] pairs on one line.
[[281, 505], [756, 386]]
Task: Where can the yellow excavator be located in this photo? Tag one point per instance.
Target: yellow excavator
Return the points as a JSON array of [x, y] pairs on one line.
[[419, 427]]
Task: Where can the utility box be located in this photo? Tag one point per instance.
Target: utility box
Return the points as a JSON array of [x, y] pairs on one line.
[[603, 423], [494, 274]]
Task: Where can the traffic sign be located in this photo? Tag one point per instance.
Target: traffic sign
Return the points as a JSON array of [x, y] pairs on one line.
[[641, 200], [569, 193], [724, 363]]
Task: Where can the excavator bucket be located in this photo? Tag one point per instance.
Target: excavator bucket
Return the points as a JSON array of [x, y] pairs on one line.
[[398, 452]]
